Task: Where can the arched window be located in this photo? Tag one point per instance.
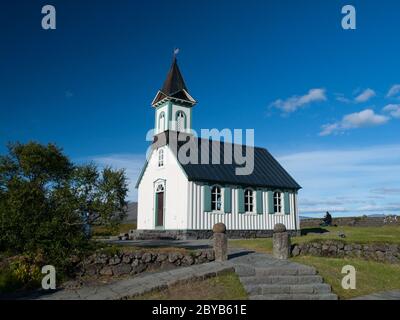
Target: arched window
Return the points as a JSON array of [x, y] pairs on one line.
[[161, 157], [161, 122], [277, 202], [216, 199], [180, 121], [248, 200]]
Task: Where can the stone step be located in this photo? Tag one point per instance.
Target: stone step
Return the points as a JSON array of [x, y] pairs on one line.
[[307, 279], [288, 296], [266, 289], [285, 271]]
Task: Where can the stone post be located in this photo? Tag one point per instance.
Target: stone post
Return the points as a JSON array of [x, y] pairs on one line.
[[281, 242], [220, 242]]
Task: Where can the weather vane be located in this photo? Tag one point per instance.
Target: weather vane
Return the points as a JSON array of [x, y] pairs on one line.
[[176, 51]]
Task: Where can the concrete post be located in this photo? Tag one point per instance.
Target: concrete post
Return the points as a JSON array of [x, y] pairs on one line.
[[220, 242], [281, 242]]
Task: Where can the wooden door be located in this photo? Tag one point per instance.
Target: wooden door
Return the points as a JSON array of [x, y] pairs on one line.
[[160, 210]]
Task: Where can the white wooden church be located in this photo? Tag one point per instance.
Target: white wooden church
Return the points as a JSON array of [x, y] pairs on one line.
[[184, 200]]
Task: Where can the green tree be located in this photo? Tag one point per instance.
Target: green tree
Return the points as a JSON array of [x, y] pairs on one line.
[[46, 201]]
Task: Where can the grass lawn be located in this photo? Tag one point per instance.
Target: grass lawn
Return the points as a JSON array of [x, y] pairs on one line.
[[371, 276], [387, 234], [223, 287], [100, 231]]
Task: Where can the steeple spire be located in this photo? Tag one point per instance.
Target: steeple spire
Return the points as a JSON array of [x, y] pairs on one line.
[[174, 87], [174, 81]]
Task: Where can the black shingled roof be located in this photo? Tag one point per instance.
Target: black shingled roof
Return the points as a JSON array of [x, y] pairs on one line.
[[174, 86], [267, 173]]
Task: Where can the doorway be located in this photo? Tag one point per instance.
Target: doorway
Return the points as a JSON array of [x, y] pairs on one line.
[[160, 209]]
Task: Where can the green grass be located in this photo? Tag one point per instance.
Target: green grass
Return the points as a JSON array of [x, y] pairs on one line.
[[371, 276], [387, 234], [101, 231], [223, 287]]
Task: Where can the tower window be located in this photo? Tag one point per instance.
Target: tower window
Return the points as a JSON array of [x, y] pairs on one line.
[[180, 121], [161, 122], [248, 200], [160, 158], [216, 199], [277, 202]]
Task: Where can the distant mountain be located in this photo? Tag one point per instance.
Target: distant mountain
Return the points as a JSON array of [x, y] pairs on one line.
[[131, 215], [303, 217], [376, 215]]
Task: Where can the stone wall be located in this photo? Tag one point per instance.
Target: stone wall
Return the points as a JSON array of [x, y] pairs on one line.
[[200, 234], [353, 221], [339, 249], [102, 264]]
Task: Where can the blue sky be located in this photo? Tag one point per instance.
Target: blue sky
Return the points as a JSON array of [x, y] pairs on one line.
[[322, 99]]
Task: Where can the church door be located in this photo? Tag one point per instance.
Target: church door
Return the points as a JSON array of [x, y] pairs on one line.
[[160, 209]]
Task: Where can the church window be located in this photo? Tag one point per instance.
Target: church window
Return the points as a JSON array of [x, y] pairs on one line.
[[161, 158], [180, 121], [248, 200], [277, 202], [216, 198], [161, 122]]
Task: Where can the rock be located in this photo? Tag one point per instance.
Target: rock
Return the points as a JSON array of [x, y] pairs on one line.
[[281, 242], [121, 269], [138, 255], [114, 260], [219, 228], [173, 257], [162, 257], [135, 263], [198, 253], [106, 271], [348, 247], [296, 251], [101, 259], [341, 235], [314, 251], [138, 269], [220, 247], [279, 227], [332, 250], [187, 260], [127, 258], [210, 255], [380, 255], [147, 257], [91, 270]]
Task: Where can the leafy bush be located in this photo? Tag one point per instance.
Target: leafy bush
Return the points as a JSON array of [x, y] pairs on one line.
[[46, 202]]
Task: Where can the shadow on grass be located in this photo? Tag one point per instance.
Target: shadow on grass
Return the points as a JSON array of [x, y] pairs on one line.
[[307, 231]]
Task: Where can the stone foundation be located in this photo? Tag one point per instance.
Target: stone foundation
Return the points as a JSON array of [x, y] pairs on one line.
[[200, 234]]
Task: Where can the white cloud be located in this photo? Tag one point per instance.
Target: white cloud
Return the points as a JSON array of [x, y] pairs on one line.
[[293, 103], [365, 118], [341, 98], [365, 96], [393, 110], [132, 163], [342, 180], [394, 91]]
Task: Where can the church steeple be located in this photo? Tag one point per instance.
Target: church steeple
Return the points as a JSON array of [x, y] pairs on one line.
[[174, 87], [173, 103]]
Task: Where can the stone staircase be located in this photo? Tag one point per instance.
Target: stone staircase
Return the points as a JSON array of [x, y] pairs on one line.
[[265, 278]]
